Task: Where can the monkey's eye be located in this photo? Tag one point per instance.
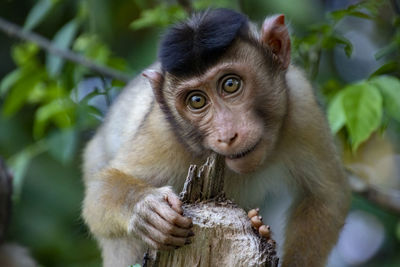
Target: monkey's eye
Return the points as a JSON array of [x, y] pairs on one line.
[[231, 84], [196, 100]]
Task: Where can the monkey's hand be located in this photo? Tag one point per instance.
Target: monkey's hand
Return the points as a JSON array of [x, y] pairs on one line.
[[158, 221]]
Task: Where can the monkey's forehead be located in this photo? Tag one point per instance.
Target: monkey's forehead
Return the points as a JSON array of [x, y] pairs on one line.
[[192, 46]]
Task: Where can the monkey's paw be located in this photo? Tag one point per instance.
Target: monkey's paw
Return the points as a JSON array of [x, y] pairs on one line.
[[158, 221]]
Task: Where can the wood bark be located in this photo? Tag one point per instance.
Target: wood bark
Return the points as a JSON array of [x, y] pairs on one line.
[[223, 232]]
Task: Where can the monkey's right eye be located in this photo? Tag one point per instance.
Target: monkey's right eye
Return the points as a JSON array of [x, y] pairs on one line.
[[196, 100]]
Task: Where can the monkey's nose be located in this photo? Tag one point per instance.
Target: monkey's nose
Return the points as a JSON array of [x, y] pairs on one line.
[[228, 140]]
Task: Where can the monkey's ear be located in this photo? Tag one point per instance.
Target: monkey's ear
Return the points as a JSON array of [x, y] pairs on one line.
[[275, 35], [156, 80]]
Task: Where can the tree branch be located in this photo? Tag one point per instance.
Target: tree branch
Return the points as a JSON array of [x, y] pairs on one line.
[[387, 199], [14, 30]]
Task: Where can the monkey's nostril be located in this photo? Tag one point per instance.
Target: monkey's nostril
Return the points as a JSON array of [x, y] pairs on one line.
[[228, 140], [233, 138]]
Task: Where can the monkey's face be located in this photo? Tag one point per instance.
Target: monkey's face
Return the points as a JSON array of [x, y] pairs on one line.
[[236, 109], [234, 106]]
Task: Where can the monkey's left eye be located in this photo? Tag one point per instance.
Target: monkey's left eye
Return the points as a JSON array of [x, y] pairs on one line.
[[196, 100], [231, 84]]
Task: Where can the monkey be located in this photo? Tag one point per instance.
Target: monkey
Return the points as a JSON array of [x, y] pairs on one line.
[[220, 85]]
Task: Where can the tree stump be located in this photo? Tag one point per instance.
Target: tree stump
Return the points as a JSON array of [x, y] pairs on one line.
[[223, 232]]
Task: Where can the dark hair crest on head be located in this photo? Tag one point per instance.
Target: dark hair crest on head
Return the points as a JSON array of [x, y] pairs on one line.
[[190, 47]]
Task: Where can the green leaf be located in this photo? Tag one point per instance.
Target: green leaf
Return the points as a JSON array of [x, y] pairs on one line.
[[204, 4], [62, 40], [24, 54], [372, 6], [9, 80], [348, 47], [336, 113], [390, 89], [390, 48], [63, 144], [360, 15], [117, 63], [19, 93], [38, 13], [388, 67], [116, 83], [162, 15], [19, 164], [57, 111], [362, 105], [338, 14], [92, 47], [352, 10]]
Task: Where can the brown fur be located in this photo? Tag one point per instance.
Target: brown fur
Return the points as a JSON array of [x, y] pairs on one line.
[[140, 156]]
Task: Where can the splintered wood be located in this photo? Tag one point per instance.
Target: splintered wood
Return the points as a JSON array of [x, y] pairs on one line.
[[204, 183], [223, 232]]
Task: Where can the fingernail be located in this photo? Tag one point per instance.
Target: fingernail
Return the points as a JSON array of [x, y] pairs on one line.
[[188, 241], [191, 233]]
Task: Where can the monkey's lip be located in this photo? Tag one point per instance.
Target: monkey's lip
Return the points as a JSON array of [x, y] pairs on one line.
[[244, 152]]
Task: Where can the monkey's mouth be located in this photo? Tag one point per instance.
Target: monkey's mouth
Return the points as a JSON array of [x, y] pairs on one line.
[[244, 152]]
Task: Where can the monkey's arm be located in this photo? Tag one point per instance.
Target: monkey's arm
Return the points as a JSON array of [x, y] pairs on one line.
[[118, 204], [315, 220], [129, 193], [321, 191]]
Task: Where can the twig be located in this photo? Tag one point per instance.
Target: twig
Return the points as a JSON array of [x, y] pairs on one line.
[[16, 31], [387, 199], [187, 5]]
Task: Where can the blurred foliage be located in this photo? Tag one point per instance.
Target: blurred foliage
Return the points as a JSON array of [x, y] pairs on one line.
[[49, 107], [357, 108]]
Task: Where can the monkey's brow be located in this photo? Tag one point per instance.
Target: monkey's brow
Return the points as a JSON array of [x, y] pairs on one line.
[[208, 75]]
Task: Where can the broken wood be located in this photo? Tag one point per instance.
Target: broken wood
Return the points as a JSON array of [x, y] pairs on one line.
[[223, 232]]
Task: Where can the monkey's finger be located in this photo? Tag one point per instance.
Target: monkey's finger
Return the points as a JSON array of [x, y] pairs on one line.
[[252, 213], [175, 203], [158, 222], [171, 216], [166, 239], [264, 231], [256, 222], [155, 245]]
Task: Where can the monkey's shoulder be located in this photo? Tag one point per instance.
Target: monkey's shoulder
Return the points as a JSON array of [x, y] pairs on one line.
[[149, 148], [126, 115], [154, 153], [120, 125], [303, 102]]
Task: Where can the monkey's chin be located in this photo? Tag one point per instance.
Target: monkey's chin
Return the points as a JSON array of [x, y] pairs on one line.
[[249, 162]]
